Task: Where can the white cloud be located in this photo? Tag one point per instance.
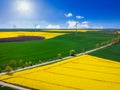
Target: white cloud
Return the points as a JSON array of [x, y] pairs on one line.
[[69, 15], [79, 17], [53, 26], [97, 27], [72, 24], [85, 22], [83, 25]]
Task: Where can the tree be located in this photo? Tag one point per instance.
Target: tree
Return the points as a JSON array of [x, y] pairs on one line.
[[112, 41], [26, 64], [13, 63], [54, 58], [8, 69], [30, 63], [21, 62], [97, 45], [59, 56], [72, 52], [40, 61]]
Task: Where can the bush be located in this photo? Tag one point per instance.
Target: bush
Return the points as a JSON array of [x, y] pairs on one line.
[[8, 69], [30, 63], [97, 45], [40, 61], [102, 44], [72, 52], [59, 56], [13, 63], [26, 64], [21, 62]]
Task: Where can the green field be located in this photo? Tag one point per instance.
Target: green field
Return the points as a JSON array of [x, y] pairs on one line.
[[111, 52], [5, 88], [46, 50]]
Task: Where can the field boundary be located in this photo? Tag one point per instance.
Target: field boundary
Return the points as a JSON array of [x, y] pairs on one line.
[[13, 86]]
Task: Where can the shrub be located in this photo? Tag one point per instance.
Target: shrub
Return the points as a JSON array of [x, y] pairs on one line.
[[97, 45], [30, 63], [8, 69], [54, 58], [102, 44], [21, 62], [40, 61], [13, 63], [59, 56], [72, 52], [26, 64]]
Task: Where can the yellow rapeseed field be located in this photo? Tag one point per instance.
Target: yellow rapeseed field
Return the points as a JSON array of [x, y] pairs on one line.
[[79, 73], [119, 32], [21, 33], [74, 30]]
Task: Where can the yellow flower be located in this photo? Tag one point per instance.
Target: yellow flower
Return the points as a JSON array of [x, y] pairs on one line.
[[21, 33], [83, 73], [73, 30]]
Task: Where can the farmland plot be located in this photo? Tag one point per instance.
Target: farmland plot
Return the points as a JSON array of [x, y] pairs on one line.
[[21, 33], [79, 73]]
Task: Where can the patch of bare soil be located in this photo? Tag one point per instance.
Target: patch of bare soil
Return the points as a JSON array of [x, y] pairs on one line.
[[21, 39]]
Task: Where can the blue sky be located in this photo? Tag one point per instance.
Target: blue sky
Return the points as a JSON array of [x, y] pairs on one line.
[[60, 13]]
